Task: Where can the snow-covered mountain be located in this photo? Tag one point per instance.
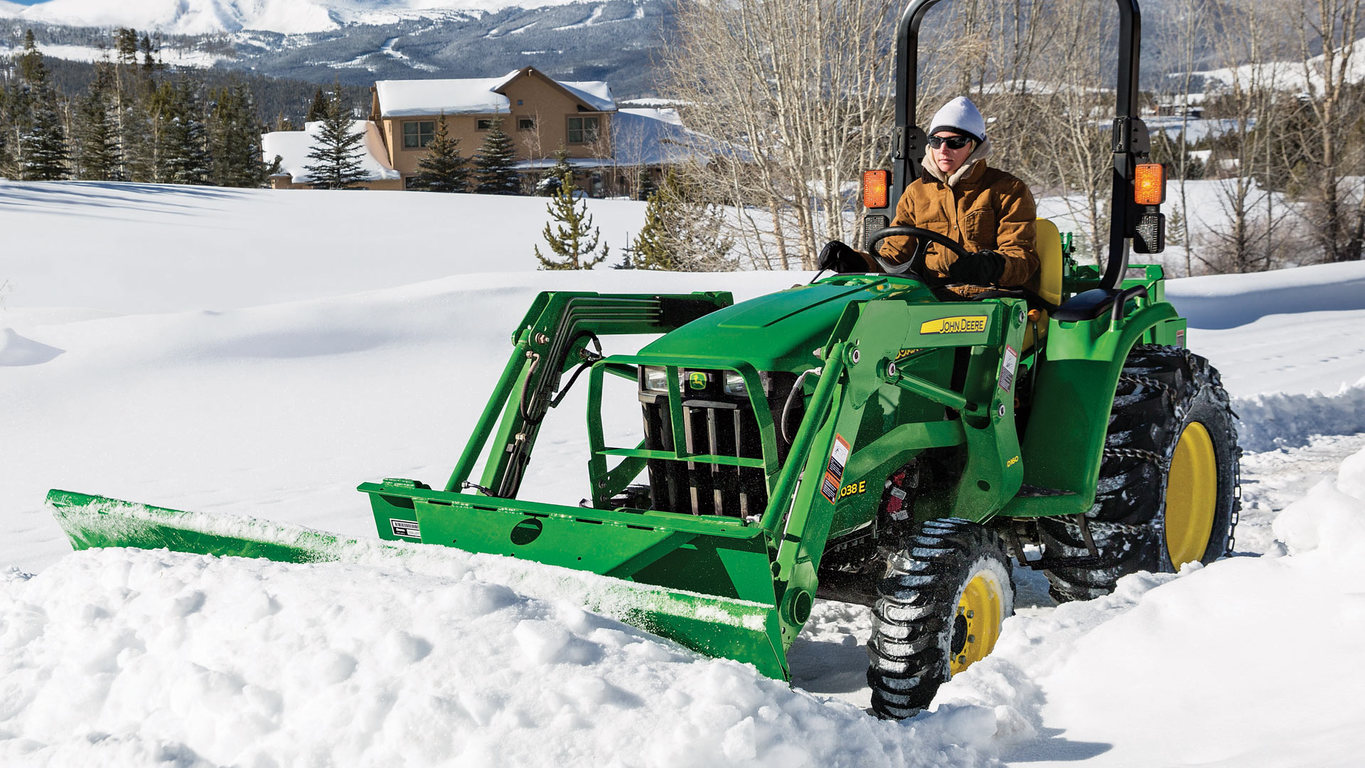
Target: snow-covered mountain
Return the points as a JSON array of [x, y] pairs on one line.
[[360, 41], [201, 17]]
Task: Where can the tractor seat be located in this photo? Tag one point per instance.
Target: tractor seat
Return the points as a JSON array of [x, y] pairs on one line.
[[1048, 244]]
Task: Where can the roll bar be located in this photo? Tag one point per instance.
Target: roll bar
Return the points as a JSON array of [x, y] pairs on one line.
[[1131, 143]]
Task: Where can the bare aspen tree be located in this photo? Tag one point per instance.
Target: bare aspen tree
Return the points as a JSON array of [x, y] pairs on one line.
[[796, 95], [1244, 236], [1073, 108], [1194, 27], [1328, 33]]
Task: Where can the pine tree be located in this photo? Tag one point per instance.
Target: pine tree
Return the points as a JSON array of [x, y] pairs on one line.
[[317, 111], [442, 169], [186, 156], [650, 249], [679, 234], [495, 164], [336, 149], [41, 146], [235, 139], [549, 183], [573, 241], [96, 153]]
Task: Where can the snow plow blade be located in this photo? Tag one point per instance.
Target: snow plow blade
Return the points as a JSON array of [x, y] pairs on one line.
[[715, 625]]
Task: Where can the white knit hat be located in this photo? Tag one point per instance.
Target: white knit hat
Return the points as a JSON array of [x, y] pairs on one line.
[[960, 115]]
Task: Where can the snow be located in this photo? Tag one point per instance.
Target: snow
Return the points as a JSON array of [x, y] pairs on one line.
[[253, 352], [194, 17]]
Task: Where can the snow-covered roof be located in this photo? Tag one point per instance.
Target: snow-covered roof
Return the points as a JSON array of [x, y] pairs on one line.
[[406, 98], [643, 136], [474, 95], [293, 147]]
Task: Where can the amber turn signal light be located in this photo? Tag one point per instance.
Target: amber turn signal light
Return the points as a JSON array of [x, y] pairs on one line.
[[876, 189], [1149, 184]]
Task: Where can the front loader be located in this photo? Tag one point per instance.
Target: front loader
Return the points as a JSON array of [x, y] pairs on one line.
[[865, 438]]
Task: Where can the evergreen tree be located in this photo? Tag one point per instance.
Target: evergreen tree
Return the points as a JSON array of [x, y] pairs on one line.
[[549, 183], [442, 169], [235, 139], [336, 149], [573, 240], [495, 164], [185, 138], [43, 146], [317, 111], [679, 234], [96, 154], [650, 249], [41, 143], [125, 45]]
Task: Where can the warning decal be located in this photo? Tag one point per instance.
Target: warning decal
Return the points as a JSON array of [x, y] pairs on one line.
[[405, 528], [834, 470], [1007, 368]]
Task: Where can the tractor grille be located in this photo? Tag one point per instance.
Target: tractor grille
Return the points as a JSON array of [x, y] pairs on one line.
[[719, 424]]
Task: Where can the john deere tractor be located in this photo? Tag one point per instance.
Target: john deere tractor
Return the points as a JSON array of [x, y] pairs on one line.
[[863, 438]]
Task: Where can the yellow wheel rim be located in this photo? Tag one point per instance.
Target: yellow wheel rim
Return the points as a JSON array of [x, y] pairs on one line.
[[976, 626], [1191, 496]]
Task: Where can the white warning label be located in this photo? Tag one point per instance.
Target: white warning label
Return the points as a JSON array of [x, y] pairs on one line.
[[405, 528]]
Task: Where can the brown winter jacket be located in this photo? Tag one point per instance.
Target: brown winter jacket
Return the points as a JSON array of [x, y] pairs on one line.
[[978, 207]]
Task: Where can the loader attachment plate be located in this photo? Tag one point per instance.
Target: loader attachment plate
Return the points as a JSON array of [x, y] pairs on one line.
[[716, 625], [717, 572]]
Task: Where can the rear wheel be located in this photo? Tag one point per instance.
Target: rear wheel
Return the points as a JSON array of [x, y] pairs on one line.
[[939, 610], [1168, 479]]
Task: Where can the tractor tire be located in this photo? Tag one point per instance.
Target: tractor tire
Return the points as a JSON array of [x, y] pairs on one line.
[[1168, 485], [939, 609]]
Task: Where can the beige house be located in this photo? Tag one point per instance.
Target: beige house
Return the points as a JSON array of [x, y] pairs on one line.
[[541, 115], [615, 151]]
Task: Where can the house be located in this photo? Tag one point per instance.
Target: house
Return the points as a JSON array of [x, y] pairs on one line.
[[614, 150]]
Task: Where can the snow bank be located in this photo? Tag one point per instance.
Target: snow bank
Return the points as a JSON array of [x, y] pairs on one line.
[[135, 658], [1195, 658], [1281, 420], [15, 350]]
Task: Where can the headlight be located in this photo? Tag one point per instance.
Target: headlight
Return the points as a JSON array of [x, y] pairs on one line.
[[734, 384], [656, 379]]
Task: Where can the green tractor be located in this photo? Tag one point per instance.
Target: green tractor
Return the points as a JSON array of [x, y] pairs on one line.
[[858, 438]]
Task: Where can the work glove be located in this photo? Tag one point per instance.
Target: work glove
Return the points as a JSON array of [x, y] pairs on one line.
[[839, 257], [980, 268]]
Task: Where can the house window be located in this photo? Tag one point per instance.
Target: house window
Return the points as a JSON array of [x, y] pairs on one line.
[[484, 123], [418, 133], [582, 130], [526, 123]]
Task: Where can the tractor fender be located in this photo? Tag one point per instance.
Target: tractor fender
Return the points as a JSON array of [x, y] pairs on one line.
[[1073, 394]]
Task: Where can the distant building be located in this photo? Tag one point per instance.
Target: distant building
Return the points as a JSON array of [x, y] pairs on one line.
[[614, 151]]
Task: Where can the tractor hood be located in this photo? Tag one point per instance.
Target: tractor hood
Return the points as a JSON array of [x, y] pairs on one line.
[[779, 331]]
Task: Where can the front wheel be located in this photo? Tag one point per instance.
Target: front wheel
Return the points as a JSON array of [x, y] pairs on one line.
[[1168, 478], [938, 611]]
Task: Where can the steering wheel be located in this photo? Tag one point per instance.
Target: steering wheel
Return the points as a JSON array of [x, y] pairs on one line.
[[923, 237]]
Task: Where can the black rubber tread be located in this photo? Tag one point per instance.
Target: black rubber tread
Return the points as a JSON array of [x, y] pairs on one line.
[[911, 645], [1160, 391]]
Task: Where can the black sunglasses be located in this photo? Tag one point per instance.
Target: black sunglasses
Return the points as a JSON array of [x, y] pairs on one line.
[[953, 142]]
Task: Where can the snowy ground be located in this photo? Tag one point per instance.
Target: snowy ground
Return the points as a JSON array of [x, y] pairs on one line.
[[253, 352]]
